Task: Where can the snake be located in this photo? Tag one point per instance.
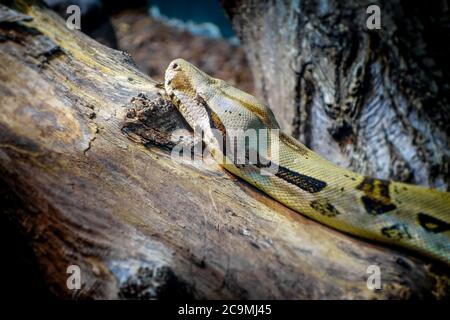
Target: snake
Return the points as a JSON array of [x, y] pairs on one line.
[[402, 215]]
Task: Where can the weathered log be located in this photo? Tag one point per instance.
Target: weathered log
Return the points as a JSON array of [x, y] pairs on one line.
[[375, 101], [137, 223]]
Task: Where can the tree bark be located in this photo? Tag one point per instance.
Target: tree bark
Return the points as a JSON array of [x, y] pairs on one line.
[[87, 179], [375, 101]]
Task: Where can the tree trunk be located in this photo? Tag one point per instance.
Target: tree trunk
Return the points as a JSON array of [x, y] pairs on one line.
[[87, 179], [375, 101]]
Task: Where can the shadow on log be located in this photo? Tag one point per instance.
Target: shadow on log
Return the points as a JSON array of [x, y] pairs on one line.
[[88, 180]]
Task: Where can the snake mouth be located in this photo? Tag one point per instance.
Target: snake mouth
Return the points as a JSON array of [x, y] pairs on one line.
[[175, 86], [168, 78]]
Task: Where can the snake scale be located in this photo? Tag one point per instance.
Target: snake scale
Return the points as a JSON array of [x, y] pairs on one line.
[[393, 213]]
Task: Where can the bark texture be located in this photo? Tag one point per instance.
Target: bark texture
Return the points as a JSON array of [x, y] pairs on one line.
[[87, 179], [375, 101]]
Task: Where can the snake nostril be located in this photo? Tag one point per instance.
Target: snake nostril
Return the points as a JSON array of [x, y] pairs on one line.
[[169, 82], [174, 66]]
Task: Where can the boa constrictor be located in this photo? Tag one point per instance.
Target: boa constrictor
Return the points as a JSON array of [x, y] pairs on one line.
[[400, 214]]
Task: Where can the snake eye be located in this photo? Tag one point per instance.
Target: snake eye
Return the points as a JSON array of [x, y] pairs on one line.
[[176, 67]]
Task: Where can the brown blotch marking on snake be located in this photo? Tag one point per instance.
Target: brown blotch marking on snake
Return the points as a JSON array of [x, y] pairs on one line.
[[215, 121], [180, 82], [396, 232], [261, 115], [376, 199], [290, 143], [302, 181], [432, 224], [324, 207]]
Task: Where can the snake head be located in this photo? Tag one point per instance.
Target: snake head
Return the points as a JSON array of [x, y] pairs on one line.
[[192, 90], [181, 83], [221, 112]]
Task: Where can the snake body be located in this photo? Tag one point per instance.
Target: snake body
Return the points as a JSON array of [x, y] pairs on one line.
[[394, 213]]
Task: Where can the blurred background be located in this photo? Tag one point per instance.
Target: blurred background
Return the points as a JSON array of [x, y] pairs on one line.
[[185, 29]]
